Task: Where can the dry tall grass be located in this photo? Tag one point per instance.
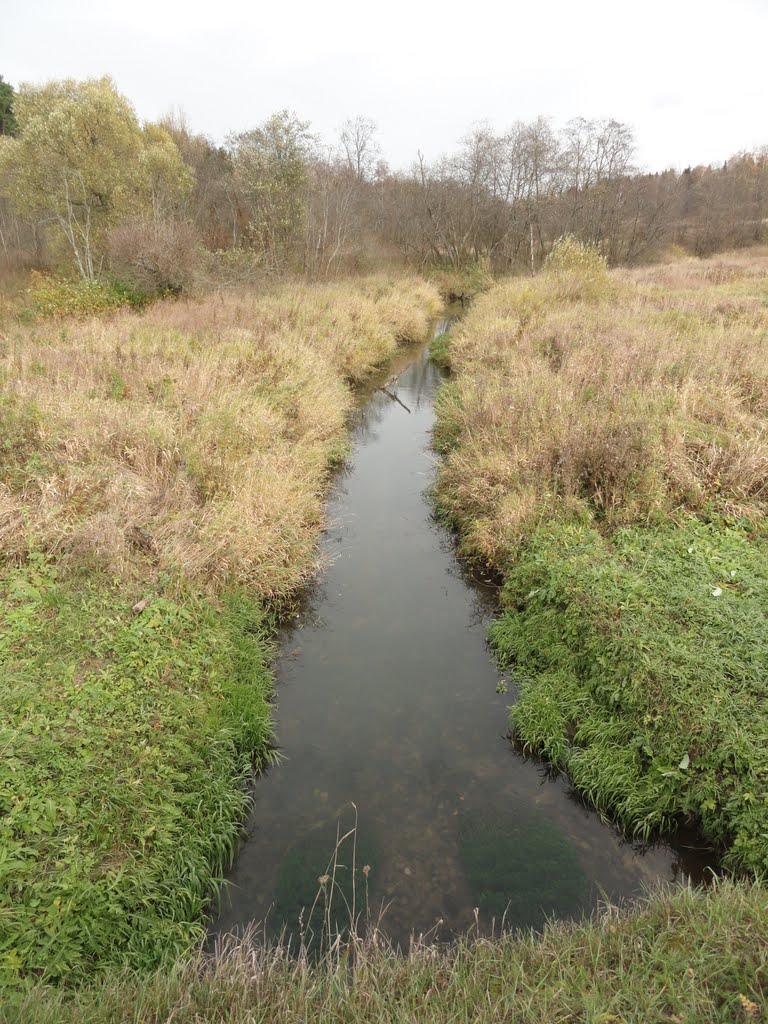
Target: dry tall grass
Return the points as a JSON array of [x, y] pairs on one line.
[[684, 955], [193, 440], [620, 397]]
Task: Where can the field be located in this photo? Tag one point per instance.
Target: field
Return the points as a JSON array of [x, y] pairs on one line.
[[161, 490], [162, 481], [606, 441]]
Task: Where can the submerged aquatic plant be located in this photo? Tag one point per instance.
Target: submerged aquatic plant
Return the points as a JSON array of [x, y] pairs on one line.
[[522, 868]]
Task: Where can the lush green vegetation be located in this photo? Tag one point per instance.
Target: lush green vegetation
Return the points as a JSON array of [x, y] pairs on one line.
[[126, 738], [49, 296], [606, 450], [643, 662], [161, 483], [687, 956]]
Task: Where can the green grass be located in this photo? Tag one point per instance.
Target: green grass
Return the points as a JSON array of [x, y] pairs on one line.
[[125, 741], [687, 956], [440, 347], [643, 662]]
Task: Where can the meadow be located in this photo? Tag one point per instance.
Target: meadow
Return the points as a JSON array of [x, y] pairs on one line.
[[606, 450], [162, 477]]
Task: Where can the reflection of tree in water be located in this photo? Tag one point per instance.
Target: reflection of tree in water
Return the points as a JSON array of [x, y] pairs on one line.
[[481, 585], [421, 380], [368, 417]]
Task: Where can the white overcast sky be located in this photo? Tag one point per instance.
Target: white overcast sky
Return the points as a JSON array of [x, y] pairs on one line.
[[690, 76]]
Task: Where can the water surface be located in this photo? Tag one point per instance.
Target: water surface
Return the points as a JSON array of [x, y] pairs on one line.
[[387, 699]]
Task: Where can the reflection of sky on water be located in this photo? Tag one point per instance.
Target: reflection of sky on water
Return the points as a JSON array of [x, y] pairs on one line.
[[387, 697]]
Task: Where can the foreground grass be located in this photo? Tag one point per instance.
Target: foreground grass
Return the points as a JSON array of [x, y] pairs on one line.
[[607, 450], [126, 739], [686, 956], [161, 481]]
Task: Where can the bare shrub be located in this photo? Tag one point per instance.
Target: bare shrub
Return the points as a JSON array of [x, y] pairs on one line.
[[155, 256]]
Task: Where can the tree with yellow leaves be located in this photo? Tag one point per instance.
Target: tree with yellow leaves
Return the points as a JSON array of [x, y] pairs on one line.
[[82, 164]]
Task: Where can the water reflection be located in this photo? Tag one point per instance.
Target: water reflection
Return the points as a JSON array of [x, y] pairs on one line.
[[387, 698]]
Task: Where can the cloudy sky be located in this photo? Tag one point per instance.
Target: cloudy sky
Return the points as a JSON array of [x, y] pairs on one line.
[[690, 76]]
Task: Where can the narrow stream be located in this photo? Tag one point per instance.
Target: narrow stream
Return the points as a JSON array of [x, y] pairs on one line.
[[387, 700]]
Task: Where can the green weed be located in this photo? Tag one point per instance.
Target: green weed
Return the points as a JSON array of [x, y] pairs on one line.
[[520, 868], [126, 739], [642, 663]]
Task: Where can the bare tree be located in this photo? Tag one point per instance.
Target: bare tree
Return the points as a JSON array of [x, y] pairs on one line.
[[361, 150]]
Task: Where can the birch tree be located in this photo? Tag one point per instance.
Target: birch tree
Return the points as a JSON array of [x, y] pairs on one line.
[[82, 164]]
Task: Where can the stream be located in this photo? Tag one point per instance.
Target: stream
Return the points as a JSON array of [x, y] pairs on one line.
[[391, 716]]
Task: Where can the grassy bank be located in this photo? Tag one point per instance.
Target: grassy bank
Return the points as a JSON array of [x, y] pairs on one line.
[[606, 440], [161, 482], [685, 957]]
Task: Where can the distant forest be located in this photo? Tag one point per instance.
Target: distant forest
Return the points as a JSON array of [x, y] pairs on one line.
[[85, 186]]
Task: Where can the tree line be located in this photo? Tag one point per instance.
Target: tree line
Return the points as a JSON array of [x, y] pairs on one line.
[[84, 186]]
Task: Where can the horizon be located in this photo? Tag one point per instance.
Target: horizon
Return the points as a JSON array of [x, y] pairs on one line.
[[673, 126]]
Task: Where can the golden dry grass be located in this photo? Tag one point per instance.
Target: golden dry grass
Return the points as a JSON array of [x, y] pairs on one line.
[[191, 441], [621, 397]]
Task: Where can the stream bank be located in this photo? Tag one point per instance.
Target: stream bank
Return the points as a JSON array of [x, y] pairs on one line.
[[391, 715]]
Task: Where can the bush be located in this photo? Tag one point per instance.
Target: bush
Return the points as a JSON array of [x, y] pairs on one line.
[[234, 267], [579, 271], [59, 297], [455, 284], [158, 257]]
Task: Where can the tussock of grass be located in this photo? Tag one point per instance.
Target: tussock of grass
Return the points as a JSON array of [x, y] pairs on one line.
[[206, 425], [462, 284], [439, 349], [685, 956], [606, 440]]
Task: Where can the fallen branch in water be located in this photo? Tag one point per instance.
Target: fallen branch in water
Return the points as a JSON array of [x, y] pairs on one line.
[[394, 398]]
